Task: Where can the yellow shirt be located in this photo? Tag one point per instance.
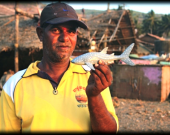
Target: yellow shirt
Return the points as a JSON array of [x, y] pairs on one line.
[[29, 103]]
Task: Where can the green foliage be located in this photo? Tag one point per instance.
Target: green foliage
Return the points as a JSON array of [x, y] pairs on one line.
[[164, 26], [155, 25], [120, 7], [150, 23], [145, 22]]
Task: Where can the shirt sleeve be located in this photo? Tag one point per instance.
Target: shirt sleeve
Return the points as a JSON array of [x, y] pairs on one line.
[[109, 104], [9, 122]]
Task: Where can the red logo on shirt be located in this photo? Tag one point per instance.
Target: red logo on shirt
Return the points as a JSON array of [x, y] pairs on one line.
[[80, 94], [79, 88]]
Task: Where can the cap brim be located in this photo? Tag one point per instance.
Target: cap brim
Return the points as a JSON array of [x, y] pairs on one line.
[[62, 20]]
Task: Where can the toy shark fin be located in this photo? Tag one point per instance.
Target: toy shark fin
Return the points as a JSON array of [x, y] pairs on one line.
[[86, 67], [128, 61], [125, 55], [104, 50], [90, 65]]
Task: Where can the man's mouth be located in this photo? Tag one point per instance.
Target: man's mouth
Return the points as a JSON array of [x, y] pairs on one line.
[[63, 48]]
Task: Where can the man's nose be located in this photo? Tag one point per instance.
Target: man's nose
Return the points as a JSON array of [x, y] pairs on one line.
[[63, 37]]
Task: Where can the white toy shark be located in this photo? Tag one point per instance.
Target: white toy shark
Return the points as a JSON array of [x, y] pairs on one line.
[[93, 57]]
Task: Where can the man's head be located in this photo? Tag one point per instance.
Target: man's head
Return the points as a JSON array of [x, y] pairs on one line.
[[56, 13], [58, 31]]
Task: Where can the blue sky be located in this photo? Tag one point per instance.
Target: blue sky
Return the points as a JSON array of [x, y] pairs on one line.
[[145, 7]]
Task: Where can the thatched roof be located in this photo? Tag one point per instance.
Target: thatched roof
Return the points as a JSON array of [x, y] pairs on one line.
[[7, 8], [27, 25], [29, 44], [27, 33], [116, 24], [116, 28], [30, 48]]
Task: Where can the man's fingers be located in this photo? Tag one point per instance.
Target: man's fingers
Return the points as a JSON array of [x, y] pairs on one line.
[[100, 76], [98, 82], [101, 62], [105, 71]]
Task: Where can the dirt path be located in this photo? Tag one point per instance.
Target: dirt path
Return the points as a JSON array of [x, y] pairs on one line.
[[143, 116]]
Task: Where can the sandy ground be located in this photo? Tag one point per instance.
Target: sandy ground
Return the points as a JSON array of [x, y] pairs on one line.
[[137, 116]]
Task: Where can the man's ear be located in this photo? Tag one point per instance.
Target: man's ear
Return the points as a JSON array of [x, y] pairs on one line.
[[39, 31]]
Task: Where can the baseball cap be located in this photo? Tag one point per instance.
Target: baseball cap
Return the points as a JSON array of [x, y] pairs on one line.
[[56, 13]]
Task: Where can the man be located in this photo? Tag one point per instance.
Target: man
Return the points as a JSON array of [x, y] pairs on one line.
[[83, 12], [3, 79], [54, 94]]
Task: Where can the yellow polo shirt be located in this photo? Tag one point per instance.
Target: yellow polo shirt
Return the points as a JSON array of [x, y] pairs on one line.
[[29, 102]]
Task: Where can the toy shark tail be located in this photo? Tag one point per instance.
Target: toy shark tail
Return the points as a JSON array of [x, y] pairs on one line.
[[125, 55]]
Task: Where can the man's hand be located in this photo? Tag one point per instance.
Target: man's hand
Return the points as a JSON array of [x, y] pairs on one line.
[[101, 119], [100, 79]]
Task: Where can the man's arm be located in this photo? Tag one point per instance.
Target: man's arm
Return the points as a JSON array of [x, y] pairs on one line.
[[101, 119]]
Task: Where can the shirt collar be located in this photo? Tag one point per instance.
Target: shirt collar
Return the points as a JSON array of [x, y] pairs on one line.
[[33, 69]]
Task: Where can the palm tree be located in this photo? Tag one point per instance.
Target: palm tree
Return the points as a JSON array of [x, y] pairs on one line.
[[158, 28], [145, 26], [165, 24], [149, 23], [120, 7]]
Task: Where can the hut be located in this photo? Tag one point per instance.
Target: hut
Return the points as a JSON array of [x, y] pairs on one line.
[[162, 47], [148, 41], [113, 29], [30, 48]]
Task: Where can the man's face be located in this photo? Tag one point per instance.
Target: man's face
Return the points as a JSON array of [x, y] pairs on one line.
[[59, 41]]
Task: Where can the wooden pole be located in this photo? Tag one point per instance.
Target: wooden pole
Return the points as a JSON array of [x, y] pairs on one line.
[[104, 34], [92, 37], [105, 43], [21, 12], [8, 22], [114, 33], [16, 53]]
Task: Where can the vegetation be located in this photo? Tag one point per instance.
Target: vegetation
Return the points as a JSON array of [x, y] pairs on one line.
[[157, 24], [164, 25]]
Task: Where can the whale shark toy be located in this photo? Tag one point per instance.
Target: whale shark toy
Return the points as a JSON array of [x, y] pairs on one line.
[[93, 57]]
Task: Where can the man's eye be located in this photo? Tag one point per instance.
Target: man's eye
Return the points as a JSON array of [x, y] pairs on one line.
[[72, 31], [55, 31]]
